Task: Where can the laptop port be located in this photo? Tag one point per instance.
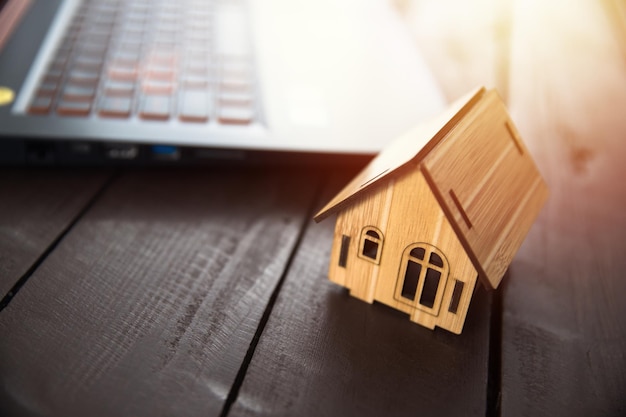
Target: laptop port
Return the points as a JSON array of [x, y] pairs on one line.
[[81, 148], [40, 153], [220, 154], [121, 151], [80, 153], [165, 152]]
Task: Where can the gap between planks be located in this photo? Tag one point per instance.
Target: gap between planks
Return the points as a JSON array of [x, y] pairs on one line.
[[6, 300], [494, 364], [243, 369]]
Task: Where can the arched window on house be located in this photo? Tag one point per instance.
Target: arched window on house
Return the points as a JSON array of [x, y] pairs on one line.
[[371, 244], [423, 275]]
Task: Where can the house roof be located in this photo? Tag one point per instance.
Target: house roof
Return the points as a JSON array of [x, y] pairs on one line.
[[412, 146], [479, 171]]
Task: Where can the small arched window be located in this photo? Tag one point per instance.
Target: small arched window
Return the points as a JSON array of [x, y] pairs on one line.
[[371, 244]]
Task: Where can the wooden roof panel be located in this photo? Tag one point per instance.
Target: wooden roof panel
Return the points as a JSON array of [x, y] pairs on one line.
[[488, 185], [410, 147]]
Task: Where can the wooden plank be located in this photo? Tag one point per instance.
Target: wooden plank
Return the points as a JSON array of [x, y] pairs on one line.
[[149, 305], [36, 206], [564, 332], [326, 353]]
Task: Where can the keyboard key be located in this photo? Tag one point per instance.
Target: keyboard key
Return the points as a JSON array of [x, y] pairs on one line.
[[157, 65], [239, 99], [130, 41], [119, 88], [101, 18], [194, 106], [47, 88], [125, 57], [194, 68], [91, 64], [83, 77], [86, 49], [235, 84], [160, 43], [200, 55], [236, 68], [235, 75], [51, 79], [74, 108], [155, 107], [54, 73], [193, 46], [160, 74], [59, 61], [202, 26], [195, 81], [163, 57], [41, 104], [115, 106], [235, 115], [120, 72], [72, 92], [166, 35], [160, 87], [135, 21], [95, 39], [159, 22]]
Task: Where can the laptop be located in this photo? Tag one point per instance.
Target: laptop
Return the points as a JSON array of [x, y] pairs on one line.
[[163, 82]]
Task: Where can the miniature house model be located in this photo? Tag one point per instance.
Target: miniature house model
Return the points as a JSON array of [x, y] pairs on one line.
[[446, 204]]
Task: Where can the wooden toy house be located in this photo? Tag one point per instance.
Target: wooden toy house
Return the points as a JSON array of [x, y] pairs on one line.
[[446, 203]]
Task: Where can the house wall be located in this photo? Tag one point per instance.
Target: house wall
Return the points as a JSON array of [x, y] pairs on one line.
[[406, 212]]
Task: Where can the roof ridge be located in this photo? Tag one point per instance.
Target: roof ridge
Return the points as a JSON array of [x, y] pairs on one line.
[[412, 146]]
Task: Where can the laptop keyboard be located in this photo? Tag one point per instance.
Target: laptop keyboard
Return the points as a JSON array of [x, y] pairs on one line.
[[152, 60]]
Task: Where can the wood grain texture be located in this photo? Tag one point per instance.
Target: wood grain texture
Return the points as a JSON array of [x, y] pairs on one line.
[[488, 185], [407, 215], [149, 305], [35, 207], [564, 326], [324, 353]]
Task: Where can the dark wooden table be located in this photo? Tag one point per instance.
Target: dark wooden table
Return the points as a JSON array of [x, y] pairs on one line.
[[204, 292]]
